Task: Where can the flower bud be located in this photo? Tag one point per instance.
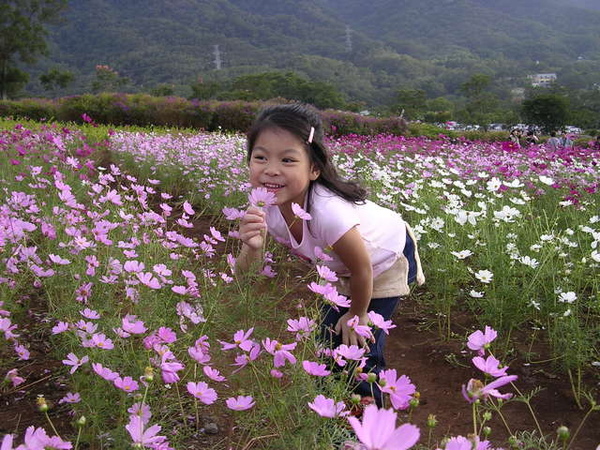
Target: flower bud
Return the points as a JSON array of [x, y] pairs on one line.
[[371, 378], [414, 402], [487, 416], [563, 433], [81, 421], [486, 431], [41, 402], [431, 421], [355, 399], [149, 374]]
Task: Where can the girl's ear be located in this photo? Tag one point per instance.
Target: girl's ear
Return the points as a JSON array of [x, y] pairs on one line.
[[314, 172]]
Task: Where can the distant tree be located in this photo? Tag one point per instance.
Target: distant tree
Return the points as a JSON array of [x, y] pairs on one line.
[[482, 106], [22, 37], [548, 111], [412, 102], [163, 90], [56, 78], [108, 79]]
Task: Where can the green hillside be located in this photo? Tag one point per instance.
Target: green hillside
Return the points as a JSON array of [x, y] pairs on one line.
[[368, 50]]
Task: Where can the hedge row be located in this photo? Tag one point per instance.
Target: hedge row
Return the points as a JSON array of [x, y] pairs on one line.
[[146, 110]]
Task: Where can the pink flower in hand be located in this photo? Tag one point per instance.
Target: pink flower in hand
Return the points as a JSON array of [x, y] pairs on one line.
[[327, 407], [240, 403], [261, 197], [378, 430], [361, 330]]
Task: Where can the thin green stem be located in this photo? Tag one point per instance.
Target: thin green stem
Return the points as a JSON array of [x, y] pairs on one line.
[[592, 409], [51, 424]]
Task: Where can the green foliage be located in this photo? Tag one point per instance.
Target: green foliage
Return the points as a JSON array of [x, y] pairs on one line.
[[549, 111], [22, 27]]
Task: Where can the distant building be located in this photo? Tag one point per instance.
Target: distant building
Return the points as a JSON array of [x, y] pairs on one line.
[[542, 79]]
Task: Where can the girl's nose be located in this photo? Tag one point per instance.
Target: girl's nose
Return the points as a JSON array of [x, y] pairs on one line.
[[272, 169]]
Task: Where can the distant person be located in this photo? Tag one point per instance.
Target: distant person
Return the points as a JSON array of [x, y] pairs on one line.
[[531, 138], [596, 144], [566, 142], [554, 142], [515, 137]]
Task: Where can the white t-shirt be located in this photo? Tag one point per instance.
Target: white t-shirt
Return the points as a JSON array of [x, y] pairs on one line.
[[383, 230]]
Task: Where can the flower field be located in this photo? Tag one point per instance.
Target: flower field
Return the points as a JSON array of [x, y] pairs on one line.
[[117, 248]]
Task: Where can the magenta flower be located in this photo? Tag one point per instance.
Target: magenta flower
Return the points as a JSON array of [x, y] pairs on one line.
[[242, 360], [300, 213], [143, 438], [70, 398], [479, 341], [188, 208], [361, 330], [7, 327], [476, 390], [260, 197], [330, 294], [463, 443], [202, 392], [378, 431], [213, 374], [126, 384], [344, 352], [104, 372], [489, 366], [316, 369], [148, 279], [281, 352], [13, 377], [379, 322], [303, 327], [327, 407], [199, 355], [240, 403], [320, 254], [22, 352], [99, 340], [401, 390], [169, 371], [142, 410], [241, 340], [89, 314], [327, 274], [37, 439], [74, 361], [58, 260], [131, 325]]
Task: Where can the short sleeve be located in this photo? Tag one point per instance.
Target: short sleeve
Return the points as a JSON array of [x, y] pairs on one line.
[[332, 216]]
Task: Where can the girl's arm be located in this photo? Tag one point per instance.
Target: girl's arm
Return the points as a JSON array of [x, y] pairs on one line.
[[252, 231], [352, 252]]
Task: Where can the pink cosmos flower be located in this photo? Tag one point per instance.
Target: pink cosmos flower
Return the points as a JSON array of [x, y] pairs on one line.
[[213, 374], [74, 361], [166, 335], [7, 327], [327, 407], [70, 398], [327, 274], [240, 403], [299, 212], [132, 325], [36, 438], [378, 431], [320, 254], [476, 390], [90, 314], [361, 330], [479, 341], [242, 360], [148, 279], [233, 213], [143, 438], [463, 443], [379, 322], [58, 260], [281, 352], [316, 369], [22, 352], [240, 339], [490, 365], [401, 390], [303, 327], [126, 384], [330, 295], [104, 372], [99, 340], [202, 392], [142, 410], [260, 197], [188, 208], [343, 352], [13, 377]]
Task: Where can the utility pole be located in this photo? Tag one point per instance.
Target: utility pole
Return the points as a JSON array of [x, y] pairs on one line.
[[217, 54], [348, 39]]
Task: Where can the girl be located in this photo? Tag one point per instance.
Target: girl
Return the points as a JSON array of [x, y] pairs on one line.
[[372, 250]]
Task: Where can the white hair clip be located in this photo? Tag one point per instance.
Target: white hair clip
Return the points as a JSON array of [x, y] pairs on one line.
[[311, 135]]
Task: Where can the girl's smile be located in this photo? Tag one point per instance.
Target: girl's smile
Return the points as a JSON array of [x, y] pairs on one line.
[[280, 163]]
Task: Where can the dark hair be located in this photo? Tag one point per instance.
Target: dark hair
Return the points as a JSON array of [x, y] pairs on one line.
[[297, 119]]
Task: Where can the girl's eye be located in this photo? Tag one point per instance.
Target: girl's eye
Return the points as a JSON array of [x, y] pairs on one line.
[[258, 158], [288, 160]]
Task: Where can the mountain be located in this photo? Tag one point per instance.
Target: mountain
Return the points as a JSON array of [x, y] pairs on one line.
[[366, 49]]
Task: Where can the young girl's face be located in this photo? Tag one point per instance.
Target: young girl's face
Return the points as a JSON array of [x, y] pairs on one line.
[[280, 163]]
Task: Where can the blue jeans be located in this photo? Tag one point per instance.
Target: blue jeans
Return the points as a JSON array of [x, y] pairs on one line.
[[375, 362]]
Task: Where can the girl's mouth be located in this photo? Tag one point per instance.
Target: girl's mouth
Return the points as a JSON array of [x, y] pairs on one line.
[[272, 187]]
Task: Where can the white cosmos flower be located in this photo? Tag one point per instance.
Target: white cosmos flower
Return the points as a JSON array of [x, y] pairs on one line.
[[475, 294], [494, 184], [546, 180], [596, 255], [567, 297], [462, 254], [528, 261], [507, 214], [485, 276], [462, 217]]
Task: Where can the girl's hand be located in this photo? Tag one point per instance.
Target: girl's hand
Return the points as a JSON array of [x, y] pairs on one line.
[[253, 228], [349, 335]]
